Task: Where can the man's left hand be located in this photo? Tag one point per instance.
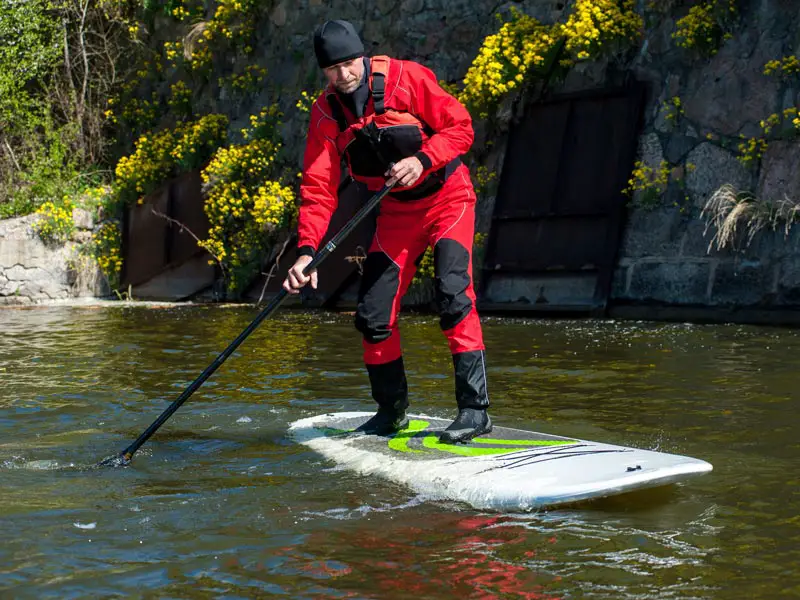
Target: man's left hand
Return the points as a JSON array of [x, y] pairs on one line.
[[405, 172]]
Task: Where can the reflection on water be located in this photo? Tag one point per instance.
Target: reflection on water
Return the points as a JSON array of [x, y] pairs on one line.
[[221, 503]]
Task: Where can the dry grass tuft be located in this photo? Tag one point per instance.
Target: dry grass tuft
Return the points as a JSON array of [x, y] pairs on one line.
[[728, 210], [190, 41]]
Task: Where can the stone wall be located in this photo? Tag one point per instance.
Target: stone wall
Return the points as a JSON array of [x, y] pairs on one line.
[[33, 272], [665, 259]]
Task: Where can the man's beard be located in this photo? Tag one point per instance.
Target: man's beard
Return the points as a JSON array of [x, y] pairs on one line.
[[347, 88]]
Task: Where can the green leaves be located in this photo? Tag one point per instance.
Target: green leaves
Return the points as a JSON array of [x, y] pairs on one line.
[[29, 49]]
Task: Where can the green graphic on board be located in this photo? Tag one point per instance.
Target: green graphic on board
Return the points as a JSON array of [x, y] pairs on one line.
[[430, 444]]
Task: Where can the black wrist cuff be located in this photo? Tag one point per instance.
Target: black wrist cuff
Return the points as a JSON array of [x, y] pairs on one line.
[[306, 251], [424, 159]]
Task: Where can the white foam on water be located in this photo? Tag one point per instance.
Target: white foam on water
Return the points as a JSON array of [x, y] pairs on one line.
[[17, 462], [85, 525], [346, 514], [244, 419]]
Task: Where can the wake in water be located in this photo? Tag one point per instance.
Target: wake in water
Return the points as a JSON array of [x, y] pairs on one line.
[[18, 462]]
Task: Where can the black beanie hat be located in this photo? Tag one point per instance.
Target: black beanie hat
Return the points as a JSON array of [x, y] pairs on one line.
[[335, 42]]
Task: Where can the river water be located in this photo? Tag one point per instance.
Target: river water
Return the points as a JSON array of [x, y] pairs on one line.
[[221, 503]]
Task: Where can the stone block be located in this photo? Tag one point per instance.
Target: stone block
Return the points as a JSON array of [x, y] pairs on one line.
[[714, 167], [780, 173], [678, 147], [670, 282], [649, 150], [696, 240], [788, 288], [743, 283], [698, 236], [651, 233], [18, 228], [619, 284], [83, 219], [12, 300], [9, 287], [730, 80]]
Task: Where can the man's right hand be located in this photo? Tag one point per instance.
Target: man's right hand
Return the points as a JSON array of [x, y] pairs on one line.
[[295, 278]]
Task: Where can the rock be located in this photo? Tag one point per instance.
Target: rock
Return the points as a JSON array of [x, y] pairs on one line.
[[728, 81], [649, 150], [652, 233], [31, 271], [713, 168], [678, 146], [83, 219], [278, 15], [684, 282], [780, 173], [412, 7], [743, 283]]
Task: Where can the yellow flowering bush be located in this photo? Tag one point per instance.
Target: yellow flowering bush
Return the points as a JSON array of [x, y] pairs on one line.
[[105, 247], [522, 44], [786, 67], [247, 81], [94, 197], [483, 179], [140, 114], [55, 224], [783, 124], [233, 20], [180, 99], [173, 53], [504, 59], [672, 110], [307, 100], [246, 200], [162, 155], [201, 56], [196, 142], [706, 25], [596, 24], [650, 182], [233, 23], [178, 10]]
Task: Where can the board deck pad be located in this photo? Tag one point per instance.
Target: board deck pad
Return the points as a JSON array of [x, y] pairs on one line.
[[506, 469]]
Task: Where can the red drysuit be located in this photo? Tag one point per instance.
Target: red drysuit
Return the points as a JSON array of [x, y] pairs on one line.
[[406, 114]]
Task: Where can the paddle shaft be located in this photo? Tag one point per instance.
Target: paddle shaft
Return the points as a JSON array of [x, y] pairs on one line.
[[127, 454]]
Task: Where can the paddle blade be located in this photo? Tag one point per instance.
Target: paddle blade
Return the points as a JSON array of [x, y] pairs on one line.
[[121, 460]]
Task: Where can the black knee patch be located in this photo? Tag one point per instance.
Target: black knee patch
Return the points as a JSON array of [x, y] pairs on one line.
[[451, 268], [379, 284]]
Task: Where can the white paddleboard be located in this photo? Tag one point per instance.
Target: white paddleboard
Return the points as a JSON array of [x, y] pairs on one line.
[[507, 469]]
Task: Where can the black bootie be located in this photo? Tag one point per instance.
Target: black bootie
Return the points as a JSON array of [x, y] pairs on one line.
[[473, 400], [390, 391]]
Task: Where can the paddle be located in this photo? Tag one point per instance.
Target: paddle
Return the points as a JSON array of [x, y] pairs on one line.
[[126, 455]]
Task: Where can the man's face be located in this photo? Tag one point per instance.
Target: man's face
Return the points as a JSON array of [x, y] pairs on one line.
[[346, 76]]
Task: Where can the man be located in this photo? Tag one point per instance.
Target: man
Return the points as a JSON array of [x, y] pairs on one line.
[[390, 119]]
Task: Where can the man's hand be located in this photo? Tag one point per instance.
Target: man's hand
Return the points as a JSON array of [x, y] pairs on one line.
[[295, 278], [405, 172]]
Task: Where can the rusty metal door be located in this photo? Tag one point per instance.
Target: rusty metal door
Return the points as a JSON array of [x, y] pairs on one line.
[[153, 239], [560, 208]]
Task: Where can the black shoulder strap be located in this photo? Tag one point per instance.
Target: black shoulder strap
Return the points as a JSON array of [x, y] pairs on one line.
[[338, 112], [378, 92], [379, 65]]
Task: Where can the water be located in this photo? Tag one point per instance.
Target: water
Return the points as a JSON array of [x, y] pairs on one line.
[[220, 503]]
